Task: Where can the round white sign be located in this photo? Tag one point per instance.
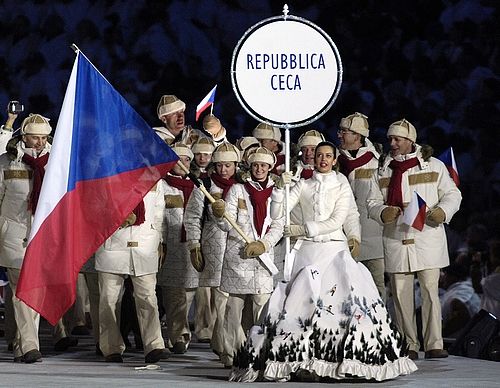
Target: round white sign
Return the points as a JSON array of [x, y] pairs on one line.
[[286, 71]]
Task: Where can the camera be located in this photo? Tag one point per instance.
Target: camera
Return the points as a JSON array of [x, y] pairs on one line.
[[15, 107]]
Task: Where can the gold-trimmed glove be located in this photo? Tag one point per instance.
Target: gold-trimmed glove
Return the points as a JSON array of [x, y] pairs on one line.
[[255, 248], [354, 247], [436, 215], [130, 220], [390, 214], [218, 208], [197, 259], [294, 231], [284, 179]]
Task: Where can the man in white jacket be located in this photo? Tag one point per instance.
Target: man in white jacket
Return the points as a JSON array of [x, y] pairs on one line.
[[408, 251], [358, 161], [132, 251], [21, 175], [171, 112]]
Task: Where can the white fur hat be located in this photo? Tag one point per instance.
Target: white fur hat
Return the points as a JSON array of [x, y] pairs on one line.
[[226, 152], [261, 155], [310, 138], [36, 124], [203, 146], [247, 141], [356, 122], [265, 131], [403, 128], [182, 150], [170, 104]]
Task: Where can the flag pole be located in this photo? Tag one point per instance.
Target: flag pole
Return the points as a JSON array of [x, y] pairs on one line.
[[211, 199]]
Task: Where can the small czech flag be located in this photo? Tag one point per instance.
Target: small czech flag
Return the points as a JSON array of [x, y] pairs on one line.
[[448, 158], [206, 102], [414, 214]]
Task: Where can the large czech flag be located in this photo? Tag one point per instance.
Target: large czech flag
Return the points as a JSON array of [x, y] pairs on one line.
[[103, 160]]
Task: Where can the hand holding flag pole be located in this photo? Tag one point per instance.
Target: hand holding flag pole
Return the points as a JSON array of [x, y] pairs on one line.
[[267, 263]]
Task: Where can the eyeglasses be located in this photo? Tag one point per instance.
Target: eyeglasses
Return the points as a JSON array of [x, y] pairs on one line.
[[345, 132]]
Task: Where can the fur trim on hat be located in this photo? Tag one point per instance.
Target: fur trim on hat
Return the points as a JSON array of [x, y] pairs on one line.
[[182, 150], [264, 131], [226, 152], [403, 128], [36, 124], [203, 146], [261, 155], [357, 123], [310, 138], [170, 104]]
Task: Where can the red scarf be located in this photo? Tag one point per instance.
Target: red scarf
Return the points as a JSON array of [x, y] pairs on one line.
[[280, 160], [395, 192], [140, 213], [38, 166], [306, 173], [258, 198], [186, 186], [348, 165], [221, 183]]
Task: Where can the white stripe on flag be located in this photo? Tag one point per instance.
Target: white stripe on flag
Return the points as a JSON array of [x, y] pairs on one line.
[[55, 183]]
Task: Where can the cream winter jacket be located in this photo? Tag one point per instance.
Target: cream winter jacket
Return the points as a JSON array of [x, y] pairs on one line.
[[325, 202], [405, 248], [177, 270], [201, 228], [15, 220], [242, 275], [359, 179], [134, 250]]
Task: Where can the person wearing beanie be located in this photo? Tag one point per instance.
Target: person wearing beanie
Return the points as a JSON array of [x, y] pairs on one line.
[[307, 143], [171, 112], [244, 275], [177, 277], [22, 169], [245, 144], [132, 251], [270, 138], [202, 151], [328, 320], [358, 161], [407, 251], [207, 244]]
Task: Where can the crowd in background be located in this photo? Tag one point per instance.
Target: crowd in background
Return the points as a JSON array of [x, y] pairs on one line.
[[433, 62]]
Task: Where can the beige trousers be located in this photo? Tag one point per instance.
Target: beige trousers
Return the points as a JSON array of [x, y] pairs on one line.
[[92, 280], [110, 289], [205, 313], [220, 301], [234, 334], [404, 304], [177, 302], [27, 320], [377, 269]]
